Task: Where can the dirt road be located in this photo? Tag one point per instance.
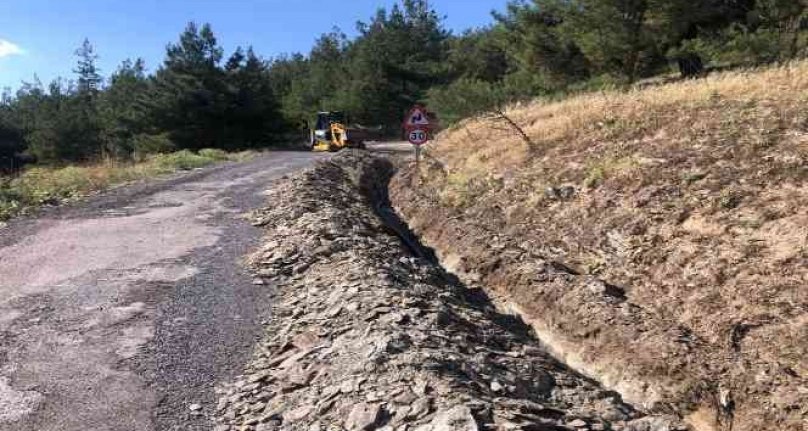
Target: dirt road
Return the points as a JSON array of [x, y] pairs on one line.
[[122, 312]]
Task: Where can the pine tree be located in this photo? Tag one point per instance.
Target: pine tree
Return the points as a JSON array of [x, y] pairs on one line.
[[121, 108], [188, 99], [89, 76], [76, 122], [397, 58], [538, 41]]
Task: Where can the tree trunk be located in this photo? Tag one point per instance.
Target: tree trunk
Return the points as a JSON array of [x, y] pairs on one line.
[[635, 18]]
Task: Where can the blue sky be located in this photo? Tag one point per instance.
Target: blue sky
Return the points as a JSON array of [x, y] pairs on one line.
[[39, 36]]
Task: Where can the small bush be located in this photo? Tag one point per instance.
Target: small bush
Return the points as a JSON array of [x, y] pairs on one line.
[[604, 169], [152, 144], [40, 186], [184, 160], [214, 153], [242, 156]]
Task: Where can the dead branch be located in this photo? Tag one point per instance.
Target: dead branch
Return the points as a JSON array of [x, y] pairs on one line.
[[500, 115]]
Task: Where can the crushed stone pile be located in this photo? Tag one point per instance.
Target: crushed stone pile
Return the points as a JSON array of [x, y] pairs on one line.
[[365, 335]]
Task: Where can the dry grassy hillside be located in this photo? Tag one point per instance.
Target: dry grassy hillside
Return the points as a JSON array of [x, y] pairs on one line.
[[657, 239]]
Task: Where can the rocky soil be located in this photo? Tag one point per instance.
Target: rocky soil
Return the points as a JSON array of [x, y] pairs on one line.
[[366, 334]]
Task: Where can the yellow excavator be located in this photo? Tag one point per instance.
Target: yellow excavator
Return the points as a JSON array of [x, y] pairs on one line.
[[330, 133]]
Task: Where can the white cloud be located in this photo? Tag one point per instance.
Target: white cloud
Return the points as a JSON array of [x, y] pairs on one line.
[[7, 48]]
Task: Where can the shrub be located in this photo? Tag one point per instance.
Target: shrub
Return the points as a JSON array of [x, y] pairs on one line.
[[182, 160], [40, 186], [214, 153], [144, 144]]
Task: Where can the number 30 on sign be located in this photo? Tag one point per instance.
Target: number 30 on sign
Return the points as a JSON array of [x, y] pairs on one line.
[[418, 136]]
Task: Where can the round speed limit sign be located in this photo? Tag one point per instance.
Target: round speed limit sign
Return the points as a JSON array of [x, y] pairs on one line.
[[418, 136]]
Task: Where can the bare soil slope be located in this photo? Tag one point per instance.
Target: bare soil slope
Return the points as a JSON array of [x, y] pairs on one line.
[[656, 240]]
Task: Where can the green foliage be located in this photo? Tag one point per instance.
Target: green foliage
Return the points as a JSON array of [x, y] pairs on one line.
[[312, 84], [89, 77], [199, 103], [144, 144], [564, 42], [184, 160], [749, 45], [63, 126], [614, 35], [11, 140], [478, 54], [464, 98], [398, 56], [538, 42], [47, 186], [121, 111], [214, 154]]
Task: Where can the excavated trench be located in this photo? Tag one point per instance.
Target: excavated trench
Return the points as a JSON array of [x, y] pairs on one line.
[[369, 332], [639, 395]]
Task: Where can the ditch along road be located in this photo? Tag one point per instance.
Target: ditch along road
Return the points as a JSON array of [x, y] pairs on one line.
[[121, 312]]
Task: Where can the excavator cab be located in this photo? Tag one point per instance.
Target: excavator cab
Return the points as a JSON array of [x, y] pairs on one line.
[[329, 132]]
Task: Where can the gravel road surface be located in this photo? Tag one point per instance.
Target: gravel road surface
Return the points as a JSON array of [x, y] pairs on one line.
[[123, 311]]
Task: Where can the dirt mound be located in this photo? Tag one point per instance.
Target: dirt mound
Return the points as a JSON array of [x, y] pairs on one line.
[[367, 336], [656, 240]]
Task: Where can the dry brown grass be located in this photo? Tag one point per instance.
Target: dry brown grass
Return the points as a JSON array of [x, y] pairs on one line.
[[481, 146]]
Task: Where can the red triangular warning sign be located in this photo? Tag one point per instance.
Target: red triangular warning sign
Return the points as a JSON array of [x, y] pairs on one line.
[[417, 118]]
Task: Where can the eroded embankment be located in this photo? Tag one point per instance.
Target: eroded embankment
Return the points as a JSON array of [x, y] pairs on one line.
[[656, 240], [365, 335], [583, 320], [645, 353]]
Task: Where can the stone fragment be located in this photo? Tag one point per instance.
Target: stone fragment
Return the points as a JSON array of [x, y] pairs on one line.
[[268, 426], [420, 408], [347, 387], [363, 417], [305, 340], [257, 377], [407, 397], [458, 418], [257, 407], [333, 312], [421, 387], [577, 423], [298, 414]]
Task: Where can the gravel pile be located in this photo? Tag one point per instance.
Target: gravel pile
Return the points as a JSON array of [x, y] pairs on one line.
[[365, 335]]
